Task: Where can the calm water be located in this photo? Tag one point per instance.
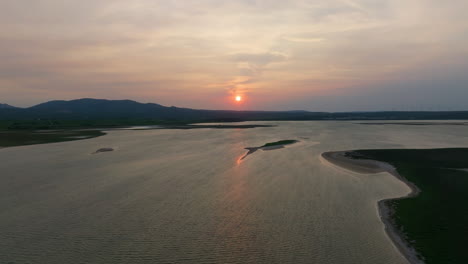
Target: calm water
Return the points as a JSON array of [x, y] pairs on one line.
[[181, 196]]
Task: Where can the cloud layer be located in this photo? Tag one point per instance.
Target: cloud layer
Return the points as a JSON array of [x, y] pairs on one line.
[[335, 55]]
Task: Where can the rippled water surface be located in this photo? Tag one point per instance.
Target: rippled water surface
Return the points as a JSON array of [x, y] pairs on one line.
[[183, 196]]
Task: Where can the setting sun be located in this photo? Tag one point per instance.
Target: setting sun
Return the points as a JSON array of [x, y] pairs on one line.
[[238, 98]]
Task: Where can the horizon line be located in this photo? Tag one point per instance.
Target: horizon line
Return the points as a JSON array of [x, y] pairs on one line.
[[232, 110]]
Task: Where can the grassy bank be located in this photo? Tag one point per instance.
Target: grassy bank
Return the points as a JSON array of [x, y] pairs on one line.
[[9, 138], [19, 133], [82, 124], [434, 222]]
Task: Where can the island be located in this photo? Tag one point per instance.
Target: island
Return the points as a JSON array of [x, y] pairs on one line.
[[269, 146], [101, 150]]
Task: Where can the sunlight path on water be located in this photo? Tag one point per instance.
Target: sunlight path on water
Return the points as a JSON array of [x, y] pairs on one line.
[[183, 196]]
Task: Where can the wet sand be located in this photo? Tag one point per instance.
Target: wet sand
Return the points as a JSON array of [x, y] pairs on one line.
[[366, 166]]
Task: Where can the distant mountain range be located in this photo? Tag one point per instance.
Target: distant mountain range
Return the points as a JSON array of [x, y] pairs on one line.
[[96, 109], [6, 106]]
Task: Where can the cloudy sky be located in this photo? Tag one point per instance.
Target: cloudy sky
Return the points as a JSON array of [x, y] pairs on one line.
[[334, 55]]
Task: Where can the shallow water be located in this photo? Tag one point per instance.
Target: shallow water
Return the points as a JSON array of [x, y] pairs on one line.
[[183, 196]]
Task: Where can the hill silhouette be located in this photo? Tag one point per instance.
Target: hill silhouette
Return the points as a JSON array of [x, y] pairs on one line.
[[96, 109], [6, 106]]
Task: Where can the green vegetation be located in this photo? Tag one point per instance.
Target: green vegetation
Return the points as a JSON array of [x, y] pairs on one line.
[[29, 132], [28, 137], [79, 124], [434, 221], [281, 142], [56, 124]]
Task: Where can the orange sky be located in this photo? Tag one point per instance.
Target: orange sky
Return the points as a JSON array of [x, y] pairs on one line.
[[337, 55]]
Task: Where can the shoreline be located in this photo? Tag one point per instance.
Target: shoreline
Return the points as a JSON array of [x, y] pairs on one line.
[[386, 212], [28, 137]]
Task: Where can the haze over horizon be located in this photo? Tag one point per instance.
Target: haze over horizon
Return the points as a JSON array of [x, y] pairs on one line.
[[338, 55]]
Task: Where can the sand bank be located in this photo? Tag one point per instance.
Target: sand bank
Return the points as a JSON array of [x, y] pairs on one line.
[[343, 160]]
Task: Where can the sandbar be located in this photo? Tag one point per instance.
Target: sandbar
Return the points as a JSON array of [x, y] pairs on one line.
[[269, 146], [101, 150], [345, 160]]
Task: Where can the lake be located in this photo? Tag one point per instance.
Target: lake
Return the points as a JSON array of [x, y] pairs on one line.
[[184, 196]]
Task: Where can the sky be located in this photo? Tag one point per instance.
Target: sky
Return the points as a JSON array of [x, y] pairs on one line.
[[334, 55]]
